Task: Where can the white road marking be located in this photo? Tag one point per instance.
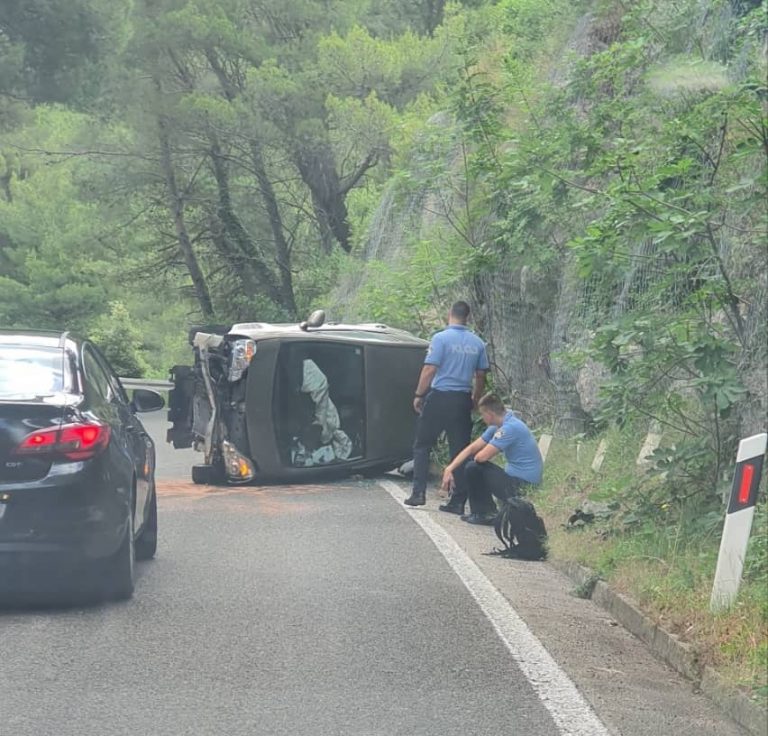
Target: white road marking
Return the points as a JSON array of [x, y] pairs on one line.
[[570, 712]]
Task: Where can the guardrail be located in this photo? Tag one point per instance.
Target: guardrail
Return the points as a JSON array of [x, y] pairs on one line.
[[150, 383]]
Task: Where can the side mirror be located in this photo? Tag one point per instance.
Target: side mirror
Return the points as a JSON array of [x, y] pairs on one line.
[[316, 319], [144, 400]]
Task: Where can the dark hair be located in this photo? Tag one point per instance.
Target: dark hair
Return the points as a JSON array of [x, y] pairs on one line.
[[460, 310], [492, 403]]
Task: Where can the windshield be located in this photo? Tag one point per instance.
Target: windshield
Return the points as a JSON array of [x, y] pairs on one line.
[[30, 372]]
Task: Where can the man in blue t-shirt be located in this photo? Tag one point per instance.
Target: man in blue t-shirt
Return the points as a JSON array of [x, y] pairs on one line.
[[506, 434], [451, 382]]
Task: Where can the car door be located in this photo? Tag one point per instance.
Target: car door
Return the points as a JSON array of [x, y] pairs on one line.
[[141, 444], [115, 409]]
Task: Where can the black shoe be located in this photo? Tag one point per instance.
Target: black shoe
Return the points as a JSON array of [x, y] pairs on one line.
[[452, 508], [481, 519], [416, 499]]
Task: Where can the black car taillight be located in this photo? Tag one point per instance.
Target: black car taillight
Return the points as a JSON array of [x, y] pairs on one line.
[[70, 441]]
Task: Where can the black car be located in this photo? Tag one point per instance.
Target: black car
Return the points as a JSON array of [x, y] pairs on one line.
[[296, 403], [77, 468]]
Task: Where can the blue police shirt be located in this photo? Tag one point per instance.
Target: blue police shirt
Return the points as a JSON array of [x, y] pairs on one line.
[[458, 353], [515, 440]]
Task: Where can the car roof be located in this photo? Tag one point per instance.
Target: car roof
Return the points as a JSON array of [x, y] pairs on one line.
[[371, 333]]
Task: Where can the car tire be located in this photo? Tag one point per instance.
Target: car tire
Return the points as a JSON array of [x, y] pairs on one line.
[[119, 577], [146, 544], [205, 475]]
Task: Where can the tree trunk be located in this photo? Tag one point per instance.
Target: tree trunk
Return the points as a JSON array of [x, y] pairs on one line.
[[5, 185], [253, 266], [176, 206], [319, 173], [282, 251], [435, 10]]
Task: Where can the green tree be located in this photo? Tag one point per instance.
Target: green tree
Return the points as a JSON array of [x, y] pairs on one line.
[[58, 50], [121, 341]]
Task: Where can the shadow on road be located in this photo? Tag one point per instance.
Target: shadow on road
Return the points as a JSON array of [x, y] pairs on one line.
[[59, 595]]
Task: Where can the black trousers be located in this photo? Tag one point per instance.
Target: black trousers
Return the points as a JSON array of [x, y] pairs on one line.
[[487, 481], [443, 411]]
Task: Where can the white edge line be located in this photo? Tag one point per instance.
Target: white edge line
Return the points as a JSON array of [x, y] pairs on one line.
[[571, 713]]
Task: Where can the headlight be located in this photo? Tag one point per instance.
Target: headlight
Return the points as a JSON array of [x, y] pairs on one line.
[[242, 353], [238, 467]]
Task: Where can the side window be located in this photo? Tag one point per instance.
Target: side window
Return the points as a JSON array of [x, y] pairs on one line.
[[96, 375], [319, 403], [114, 382], [71, 373]]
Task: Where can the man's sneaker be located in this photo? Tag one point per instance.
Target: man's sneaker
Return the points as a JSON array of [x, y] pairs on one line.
[[416, 499], [452, 508], [482, 519]]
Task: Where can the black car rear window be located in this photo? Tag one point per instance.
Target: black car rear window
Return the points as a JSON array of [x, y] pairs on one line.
[[30, 372]]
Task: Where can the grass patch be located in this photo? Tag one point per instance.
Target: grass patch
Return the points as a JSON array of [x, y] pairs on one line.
[[666, 565]]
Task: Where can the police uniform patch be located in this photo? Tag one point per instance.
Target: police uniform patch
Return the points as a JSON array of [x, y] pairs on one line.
[[498, 434]]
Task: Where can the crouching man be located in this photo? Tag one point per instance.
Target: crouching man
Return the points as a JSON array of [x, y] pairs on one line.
[[483, 478]]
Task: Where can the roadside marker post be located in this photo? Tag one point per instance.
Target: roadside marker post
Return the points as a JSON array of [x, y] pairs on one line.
[[738, 521], [651, 444], [602, 449], [544, 442]]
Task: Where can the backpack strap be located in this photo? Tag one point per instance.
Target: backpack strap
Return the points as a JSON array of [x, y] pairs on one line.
[[502, 525]]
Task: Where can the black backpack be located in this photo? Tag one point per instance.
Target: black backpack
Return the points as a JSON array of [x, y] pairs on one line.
[[521, 530]]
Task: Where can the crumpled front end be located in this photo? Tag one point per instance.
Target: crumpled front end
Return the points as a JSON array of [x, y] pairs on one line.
[[207, 406]]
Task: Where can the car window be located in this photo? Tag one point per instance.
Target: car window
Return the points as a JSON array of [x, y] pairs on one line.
[[319, 403], [30, 372], [114, 382], [96, 375]]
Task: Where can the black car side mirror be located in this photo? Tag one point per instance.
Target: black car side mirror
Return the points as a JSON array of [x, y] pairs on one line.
[[145, 400]]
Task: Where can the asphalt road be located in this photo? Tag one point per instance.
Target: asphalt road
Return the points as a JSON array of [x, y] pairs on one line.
[[320, 610]]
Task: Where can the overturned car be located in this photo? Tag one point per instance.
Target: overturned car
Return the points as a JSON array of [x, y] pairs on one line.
[[293, 403]]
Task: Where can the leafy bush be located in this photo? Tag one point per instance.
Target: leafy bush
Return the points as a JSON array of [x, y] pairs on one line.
[[121, 341]]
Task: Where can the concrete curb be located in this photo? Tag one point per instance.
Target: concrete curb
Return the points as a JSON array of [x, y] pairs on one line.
[[667, 647], [738, 706]]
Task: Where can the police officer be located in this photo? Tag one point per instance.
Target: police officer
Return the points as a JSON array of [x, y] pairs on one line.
[[485, 480], [444, 399]]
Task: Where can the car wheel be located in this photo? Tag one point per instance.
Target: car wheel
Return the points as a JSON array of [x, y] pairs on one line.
[[120, 568], [146, 544], [206, 475]]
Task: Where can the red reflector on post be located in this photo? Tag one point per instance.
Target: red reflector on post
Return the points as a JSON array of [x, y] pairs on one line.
[[747, 473]]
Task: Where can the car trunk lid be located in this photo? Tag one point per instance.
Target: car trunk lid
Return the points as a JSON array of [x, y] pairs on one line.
[[17, 421]]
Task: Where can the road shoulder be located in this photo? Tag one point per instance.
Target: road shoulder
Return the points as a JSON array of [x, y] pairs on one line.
[[629, 688]]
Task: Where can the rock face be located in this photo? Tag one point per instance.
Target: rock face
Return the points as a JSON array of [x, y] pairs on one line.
[[530, 317], [589, 379], [527, 317]]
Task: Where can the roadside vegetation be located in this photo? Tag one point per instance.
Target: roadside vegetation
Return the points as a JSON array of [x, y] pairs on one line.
[[591, 175], [661, 555]]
